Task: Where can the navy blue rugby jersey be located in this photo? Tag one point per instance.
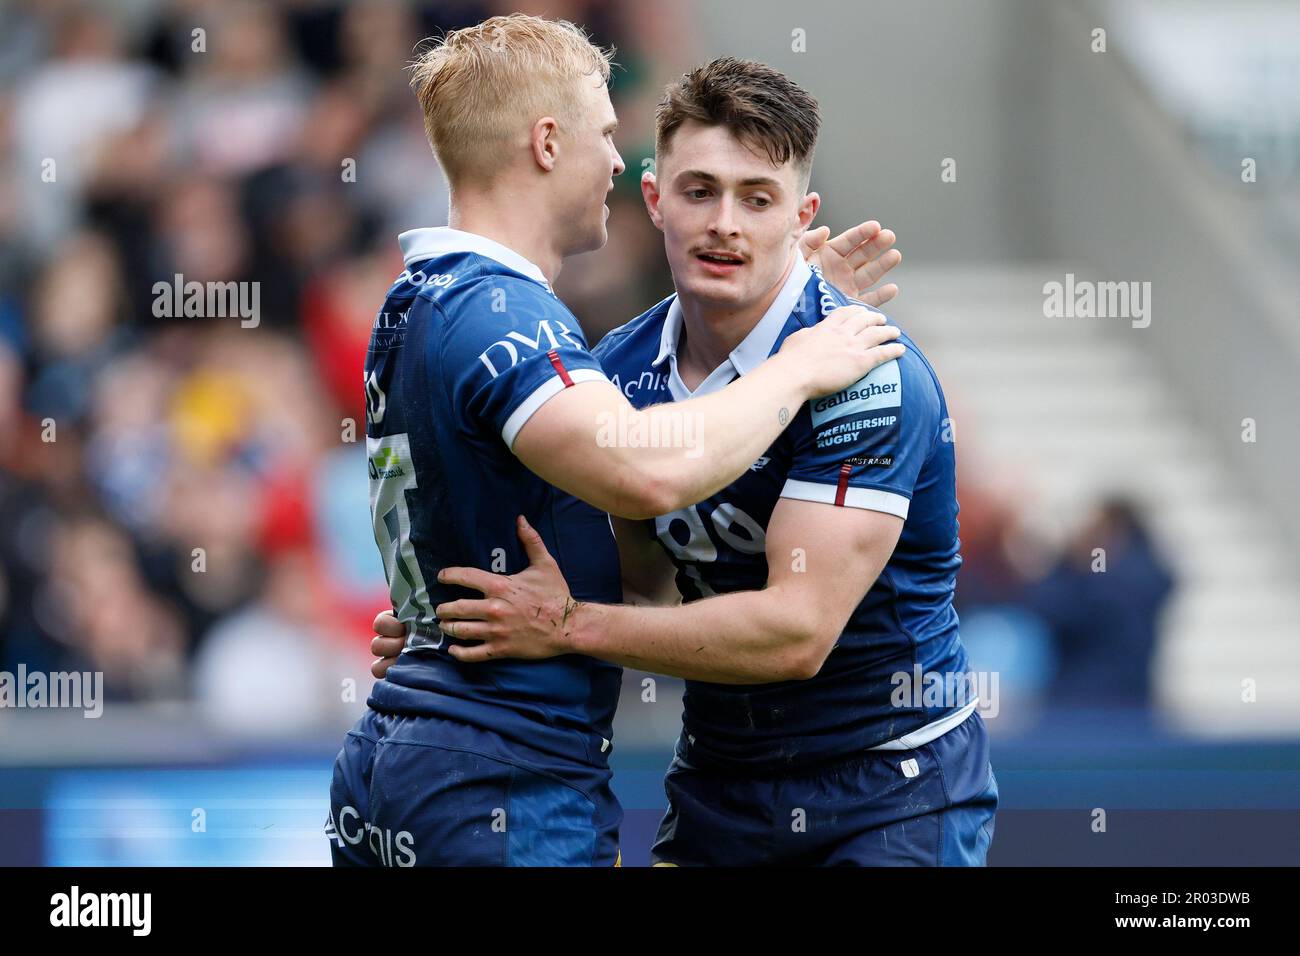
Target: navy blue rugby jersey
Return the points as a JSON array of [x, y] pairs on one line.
[[882, 444], [469, 343]]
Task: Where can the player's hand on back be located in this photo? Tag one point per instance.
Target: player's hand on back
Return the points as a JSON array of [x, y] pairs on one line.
[[842, 348], [855, 260], [525, 615], [390, 638]]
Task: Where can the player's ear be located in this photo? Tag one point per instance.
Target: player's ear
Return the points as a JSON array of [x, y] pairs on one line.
[[808, 212], [650, 193], [544, 142]]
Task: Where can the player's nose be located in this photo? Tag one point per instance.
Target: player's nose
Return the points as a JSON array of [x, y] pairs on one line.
[[619, 165], [724, 220]]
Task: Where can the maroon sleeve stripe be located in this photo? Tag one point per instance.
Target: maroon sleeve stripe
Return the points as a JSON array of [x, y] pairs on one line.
[[842, 488], [554, 356]]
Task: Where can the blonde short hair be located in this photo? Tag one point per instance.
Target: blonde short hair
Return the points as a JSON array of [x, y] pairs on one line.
[[483, 85]]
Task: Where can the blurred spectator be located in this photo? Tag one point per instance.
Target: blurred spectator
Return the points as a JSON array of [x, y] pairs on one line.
[[100, 601], [77, 308], [1103, 601], [274, 669], [64, 110], [244, 104]]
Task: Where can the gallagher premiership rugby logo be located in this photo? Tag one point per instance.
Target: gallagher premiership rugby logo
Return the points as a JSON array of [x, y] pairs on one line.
[[881, 389]]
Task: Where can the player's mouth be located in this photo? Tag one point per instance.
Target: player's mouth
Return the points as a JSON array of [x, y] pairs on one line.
[[720, 263]]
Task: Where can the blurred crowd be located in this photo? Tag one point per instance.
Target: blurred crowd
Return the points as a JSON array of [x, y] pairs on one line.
[[182, 504]]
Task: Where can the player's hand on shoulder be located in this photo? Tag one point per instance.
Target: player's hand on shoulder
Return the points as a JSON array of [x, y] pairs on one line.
[[842, 348], [855, 260]]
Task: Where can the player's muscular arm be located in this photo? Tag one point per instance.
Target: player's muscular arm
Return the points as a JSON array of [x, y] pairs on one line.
[[577, 440], [648, 575], [783, 632]]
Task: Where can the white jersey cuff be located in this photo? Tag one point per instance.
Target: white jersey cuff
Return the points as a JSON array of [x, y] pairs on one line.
[[868, 499], [540, 396]]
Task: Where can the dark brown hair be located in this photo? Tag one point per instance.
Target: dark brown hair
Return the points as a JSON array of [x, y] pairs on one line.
[[766, 109]]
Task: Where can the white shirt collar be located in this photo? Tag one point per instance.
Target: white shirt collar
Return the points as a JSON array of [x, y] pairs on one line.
[[420, 244], [752, 351]]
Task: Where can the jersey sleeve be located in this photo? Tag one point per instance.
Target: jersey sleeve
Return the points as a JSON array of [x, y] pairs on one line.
[[864, 447], [510, 347]]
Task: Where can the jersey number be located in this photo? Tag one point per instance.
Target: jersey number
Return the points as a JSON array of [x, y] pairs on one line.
[[392, 475], [732, 525]]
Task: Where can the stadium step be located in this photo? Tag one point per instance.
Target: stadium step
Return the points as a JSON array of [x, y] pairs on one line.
[[1066, 411]]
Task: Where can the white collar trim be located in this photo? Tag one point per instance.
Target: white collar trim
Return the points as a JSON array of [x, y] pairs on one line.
[[426, 243], [757, 345]]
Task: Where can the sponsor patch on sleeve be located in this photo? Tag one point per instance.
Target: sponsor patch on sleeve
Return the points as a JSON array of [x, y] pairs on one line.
[[855, 418], [882, 388]]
